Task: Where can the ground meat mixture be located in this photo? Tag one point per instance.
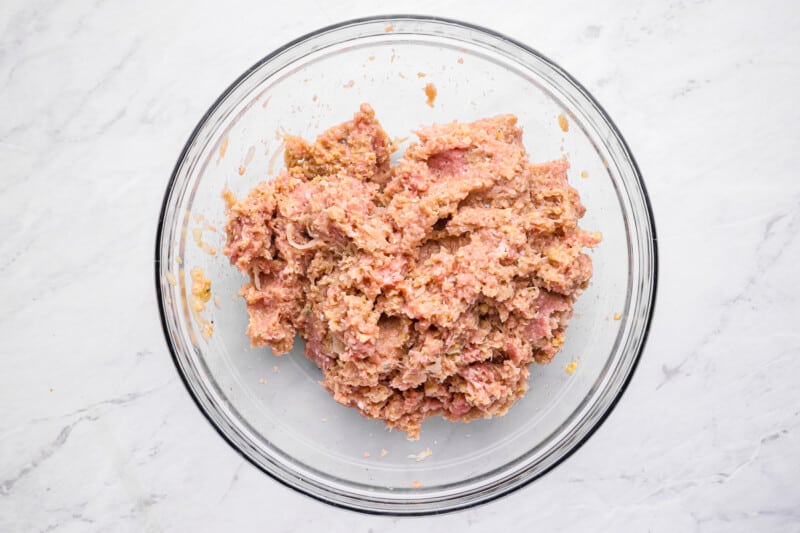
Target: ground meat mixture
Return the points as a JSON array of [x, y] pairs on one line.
[[420, 289]]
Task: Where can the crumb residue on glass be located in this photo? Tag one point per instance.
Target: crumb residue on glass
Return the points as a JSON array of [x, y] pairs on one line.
[[314, 98], [460, 60], [584, 174], [276, 369], [201, 289], [217, 301], [171, 279], [395, 143], [263, 381], [223, 147], [371, 58], [266, 102], [421, 456], [617, 316], [430, 92], [389, 29], [571, 367], [247, 159], [384, 452], [563, 123], [201, 294], [366, 454], [415, 484], [178, 260], [197, 234], [349, 84], [391, 59], [420, 74], [228, 197]]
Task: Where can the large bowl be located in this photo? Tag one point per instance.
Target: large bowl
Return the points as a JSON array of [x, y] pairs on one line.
[[272, 409]]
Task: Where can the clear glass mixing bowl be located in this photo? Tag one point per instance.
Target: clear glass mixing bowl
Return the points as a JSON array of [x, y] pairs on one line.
[[271, 409]]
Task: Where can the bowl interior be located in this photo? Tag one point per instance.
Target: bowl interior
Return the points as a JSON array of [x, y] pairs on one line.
[[272, 408]]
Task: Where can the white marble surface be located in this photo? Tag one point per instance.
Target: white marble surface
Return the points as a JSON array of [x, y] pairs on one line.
[[97, 99]]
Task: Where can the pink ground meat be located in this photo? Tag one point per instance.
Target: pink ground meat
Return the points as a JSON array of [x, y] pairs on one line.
[[422, 289]]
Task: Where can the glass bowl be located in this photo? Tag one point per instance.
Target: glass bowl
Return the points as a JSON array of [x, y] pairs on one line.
[[272, 409]]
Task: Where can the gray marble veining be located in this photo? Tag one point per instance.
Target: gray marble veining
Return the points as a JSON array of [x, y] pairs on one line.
[[96, 100]]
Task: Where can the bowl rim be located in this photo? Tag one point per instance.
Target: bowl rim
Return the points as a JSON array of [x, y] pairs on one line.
[[389, 18]]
